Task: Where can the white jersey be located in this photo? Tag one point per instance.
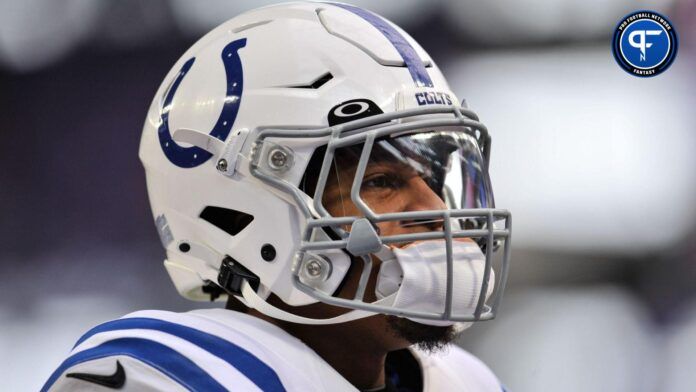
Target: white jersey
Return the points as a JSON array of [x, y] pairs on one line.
[[223, 350]]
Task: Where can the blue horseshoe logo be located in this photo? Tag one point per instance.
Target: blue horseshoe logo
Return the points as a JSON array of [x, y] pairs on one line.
[[188, 157]]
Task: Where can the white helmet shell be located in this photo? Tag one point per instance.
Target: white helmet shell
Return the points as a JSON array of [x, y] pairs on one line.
[[287, 66]]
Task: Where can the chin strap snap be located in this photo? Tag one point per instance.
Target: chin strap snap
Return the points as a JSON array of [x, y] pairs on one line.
[[232, 275]]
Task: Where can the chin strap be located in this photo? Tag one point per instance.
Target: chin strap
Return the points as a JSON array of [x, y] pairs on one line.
[[253, 300], [243, 284]]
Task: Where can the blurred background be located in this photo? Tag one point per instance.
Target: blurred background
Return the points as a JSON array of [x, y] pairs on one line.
[[597, 167]]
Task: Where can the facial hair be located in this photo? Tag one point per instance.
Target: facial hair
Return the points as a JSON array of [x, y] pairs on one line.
[[427, 338]]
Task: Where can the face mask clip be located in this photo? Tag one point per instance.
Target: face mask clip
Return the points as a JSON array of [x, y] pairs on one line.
[[363, 238]]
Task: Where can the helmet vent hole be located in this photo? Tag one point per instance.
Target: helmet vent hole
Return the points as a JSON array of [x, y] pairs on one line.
[[322, 80], [184, 247], [268, 252], [230, 221]]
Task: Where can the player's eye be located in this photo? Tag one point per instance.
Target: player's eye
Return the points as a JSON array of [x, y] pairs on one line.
[[382, 181]]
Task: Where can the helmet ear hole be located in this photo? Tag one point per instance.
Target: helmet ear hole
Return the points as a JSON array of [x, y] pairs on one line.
[[228, 220]]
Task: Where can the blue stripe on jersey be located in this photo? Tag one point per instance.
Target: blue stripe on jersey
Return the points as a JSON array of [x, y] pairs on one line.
[[408, 54], [166, 360], [251, 367]]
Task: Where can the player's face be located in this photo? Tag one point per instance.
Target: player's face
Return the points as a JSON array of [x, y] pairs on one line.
[[389, 185], [410, 173]]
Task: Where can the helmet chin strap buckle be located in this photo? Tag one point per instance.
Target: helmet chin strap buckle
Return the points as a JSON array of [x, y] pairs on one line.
[[225, 153], [232, 276]]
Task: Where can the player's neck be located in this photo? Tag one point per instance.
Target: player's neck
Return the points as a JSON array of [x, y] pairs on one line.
[[361, 366], [357, 357]]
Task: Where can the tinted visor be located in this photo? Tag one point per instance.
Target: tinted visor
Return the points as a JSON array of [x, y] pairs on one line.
[[415, 172]]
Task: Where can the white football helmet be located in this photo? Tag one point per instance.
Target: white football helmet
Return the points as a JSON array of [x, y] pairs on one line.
[[241, 139]]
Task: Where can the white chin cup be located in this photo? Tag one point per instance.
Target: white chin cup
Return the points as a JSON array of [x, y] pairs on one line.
[[416, 279]]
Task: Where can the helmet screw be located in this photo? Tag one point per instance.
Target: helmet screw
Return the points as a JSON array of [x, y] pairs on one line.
[[222, 165], [278, 159], [313, 268]]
